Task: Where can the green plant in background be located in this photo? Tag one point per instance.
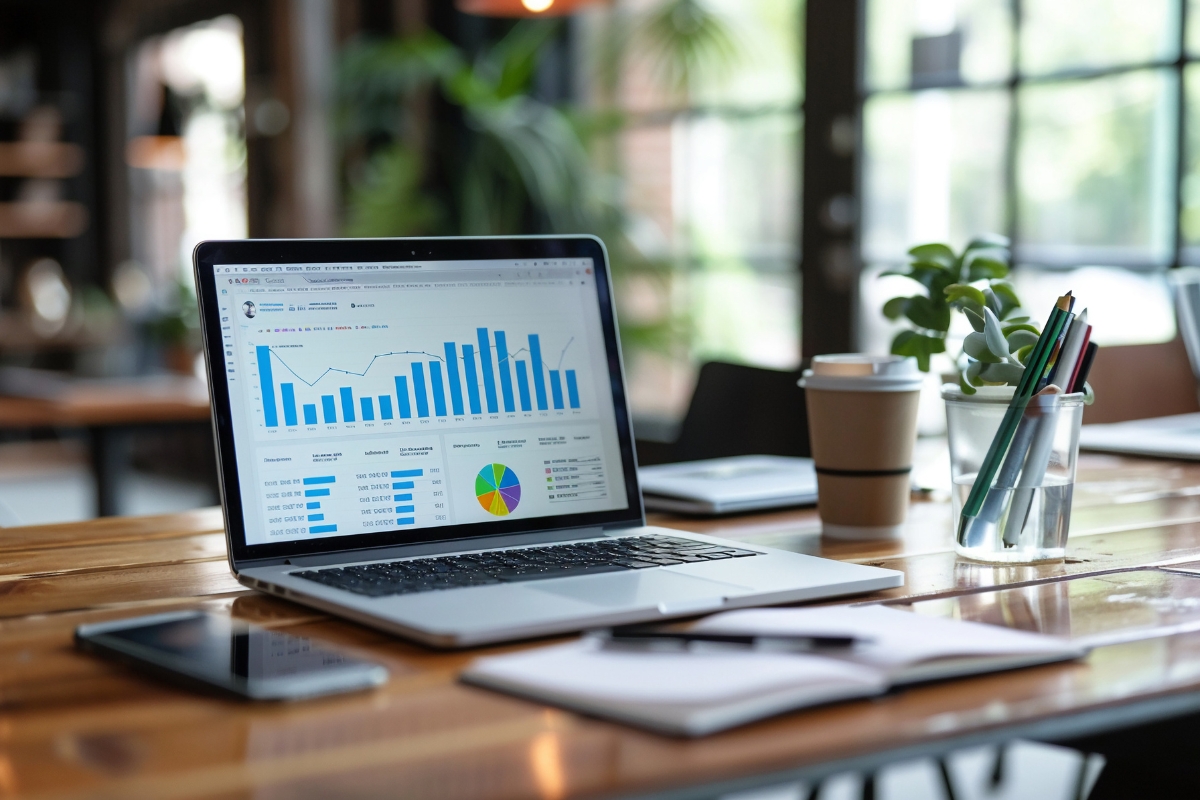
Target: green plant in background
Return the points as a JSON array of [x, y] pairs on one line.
[[519, 163], [974, 282]]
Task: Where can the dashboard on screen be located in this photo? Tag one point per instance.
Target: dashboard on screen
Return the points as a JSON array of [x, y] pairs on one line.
[[391, 397]]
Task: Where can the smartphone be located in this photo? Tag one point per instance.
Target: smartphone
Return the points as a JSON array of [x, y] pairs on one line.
[[231, 656]]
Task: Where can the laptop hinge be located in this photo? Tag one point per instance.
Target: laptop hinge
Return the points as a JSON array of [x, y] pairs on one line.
[[430, 548]]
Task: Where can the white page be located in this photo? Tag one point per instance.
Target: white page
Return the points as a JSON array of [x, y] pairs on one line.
[[899, 638], [585, 669]]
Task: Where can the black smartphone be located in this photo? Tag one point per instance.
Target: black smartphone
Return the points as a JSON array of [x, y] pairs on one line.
[[229, 655]]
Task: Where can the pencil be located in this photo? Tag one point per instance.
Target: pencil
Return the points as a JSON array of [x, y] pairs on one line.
[[1035, 370]]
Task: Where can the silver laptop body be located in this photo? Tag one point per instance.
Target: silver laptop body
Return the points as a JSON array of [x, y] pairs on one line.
[[452, 409]]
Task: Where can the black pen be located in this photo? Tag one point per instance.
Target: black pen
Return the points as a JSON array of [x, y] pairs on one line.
[[642, 636]]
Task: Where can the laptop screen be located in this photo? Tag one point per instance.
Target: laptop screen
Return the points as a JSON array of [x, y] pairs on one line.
[[397, 397]]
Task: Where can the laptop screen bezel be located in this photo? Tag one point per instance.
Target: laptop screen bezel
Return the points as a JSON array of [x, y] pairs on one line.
[[210, 254]]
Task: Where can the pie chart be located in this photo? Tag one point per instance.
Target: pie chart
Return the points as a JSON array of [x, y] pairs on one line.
[[498, 490]]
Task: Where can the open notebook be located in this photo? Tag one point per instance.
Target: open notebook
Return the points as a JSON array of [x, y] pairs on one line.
[[693, 693]]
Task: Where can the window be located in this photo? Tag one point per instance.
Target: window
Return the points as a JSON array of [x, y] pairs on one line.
[[709, 159], [1057, 122], [185, 155]]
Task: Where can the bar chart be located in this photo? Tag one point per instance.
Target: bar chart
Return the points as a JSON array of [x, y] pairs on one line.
[[483, 375]]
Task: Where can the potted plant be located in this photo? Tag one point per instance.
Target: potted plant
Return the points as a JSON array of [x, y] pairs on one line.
[[975, 283]]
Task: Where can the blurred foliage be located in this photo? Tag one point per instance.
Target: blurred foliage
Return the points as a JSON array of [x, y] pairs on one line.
[[519, 164], [179, 321]]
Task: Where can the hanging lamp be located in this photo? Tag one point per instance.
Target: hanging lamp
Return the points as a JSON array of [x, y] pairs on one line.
[[521, 8]]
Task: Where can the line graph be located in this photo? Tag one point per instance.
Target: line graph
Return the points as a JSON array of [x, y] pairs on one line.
[[475, 378]]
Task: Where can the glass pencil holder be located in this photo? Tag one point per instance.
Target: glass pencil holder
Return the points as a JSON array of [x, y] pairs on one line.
[[1025, 514]]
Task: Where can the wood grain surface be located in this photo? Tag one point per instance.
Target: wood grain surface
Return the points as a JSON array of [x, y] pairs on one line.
[[72, 725], [111, 402]]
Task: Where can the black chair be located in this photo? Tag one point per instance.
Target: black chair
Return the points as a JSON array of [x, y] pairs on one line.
[[739, 410]]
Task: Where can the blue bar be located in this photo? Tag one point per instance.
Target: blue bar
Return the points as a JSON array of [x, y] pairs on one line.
[[406, 521], [267, 384], [407, 473], [368, 408], [347, 404], [505, 374], [323, 529], [572, 389], [418, 372], [523, 386], [439, 391], [539, 380], [310, 414], [313, 504], [328, 409], [556, 388], [400, 497], [385, 406], [289, 403], [402, 397], [316, 493], [405, 509], [404, 485], [485, 360], [316, 517], [320, 480], [452, 375], [472, 378]]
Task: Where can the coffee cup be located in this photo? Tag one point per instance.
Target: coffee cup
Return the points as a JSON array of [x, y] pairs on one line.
[[862, 423]]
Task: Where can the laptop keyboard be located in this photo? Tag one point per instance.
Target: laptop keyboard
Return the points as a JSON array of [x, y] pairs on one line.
[[525, 564]]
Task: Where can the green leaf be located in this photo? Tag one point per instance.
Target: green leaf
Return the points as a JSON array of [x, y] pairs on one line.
[[984, 268], [958, 292], [987, 240], [933, 277], [920, 346], [1004, 372], [1019, 339], [1009, 302], [936, 252], [965, 385], [893, 309], [1020, 326], [1022, 355], [994, 335], [1018, 319], [975, 345], [923, 312], [993, 302], [975, 318]]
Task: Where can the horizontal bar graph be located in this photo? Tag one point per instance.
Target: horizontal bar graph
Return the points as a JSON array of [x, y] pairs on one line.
[[482, 376]]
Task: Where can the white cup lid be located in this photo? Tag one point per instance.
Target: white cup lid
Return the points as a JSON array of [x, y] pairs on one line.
[[860, 372]]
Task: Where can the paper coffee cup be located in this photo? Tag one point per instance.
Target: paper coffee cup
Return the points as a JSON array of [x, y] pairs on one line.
[[862, 423]]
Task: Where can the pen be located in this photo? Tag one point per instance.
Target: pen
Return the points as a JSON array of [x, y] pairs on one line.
[[643, 637]]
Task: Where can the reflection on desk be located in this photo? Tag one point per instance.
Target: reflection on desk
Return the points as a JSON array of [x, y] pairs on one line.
[[74, 726]]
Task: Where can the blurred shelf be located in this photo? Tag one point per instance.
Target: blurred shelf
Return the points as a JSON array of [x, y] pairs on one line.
[[54, 220], [40, 159]]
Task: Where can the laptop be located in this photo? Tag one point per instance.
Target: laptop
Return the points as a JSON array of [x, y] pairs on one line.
[[432, 437]]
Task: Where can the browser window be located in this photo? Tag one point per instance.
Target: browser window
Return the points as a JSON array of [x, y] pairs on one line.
[[373, 397]]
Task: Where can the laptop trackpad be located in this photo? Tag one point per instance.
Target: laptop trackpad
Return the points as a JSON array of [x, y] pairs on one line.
[[640, 589]]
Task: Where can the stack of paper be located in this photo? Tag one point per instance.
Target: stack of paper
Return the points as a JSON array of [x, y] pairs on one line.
[[703, 691]]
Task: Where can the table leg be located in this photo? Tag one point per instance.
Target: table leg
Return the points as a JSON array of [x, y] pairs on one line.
[[110, 461]]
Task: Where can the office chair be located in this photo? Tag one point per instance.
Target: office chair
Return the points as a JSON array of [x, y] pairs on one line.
[[740, 410]]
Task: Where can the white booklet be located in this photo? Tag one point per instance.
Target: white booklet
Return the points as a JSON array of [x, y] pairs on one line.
[[1167, 437], [728, 485], [701, 691]]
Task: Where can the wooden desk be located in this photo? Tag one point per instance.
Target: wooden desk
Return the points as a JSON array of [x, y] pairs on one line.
[[74, 726], [108, 410]]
